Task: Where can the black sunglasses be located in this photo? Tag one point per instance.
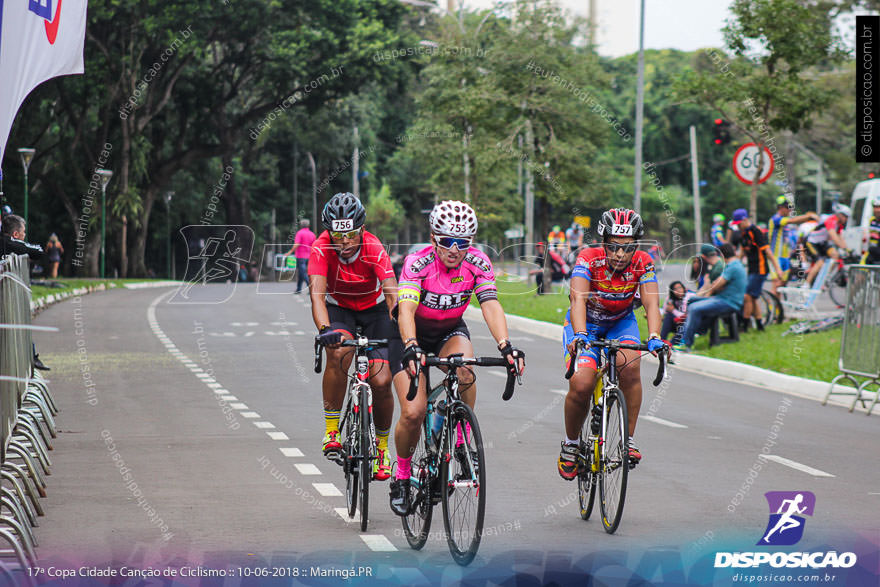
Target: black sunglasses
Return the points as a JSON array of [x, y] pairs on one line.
[[626, 248]]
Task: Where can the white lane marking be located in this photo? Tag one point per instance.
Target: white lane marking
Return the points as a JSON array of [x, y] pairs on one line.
[[343, 513], [238, 406], [291, 452], [714, 437], [204, 376], [229, 398], [378, 542], [873, 493], [264, 425], [307, 469], [796, 465], [250, 415], [559, 391], [216, 386], [278, 436], [662, 422], [497, 374], [327, 489]]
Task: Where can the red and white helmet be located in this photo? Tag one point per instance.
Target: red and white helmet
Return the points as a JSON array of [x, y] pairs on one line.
[[621, 222], [453, 218]]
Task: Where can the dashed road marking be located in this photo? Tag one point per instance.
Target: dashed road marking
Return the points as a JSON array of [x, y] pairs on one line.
[[327, 489], [238, 406], [795, 465], [497, 374], [662, 422], [229, 398], [343, 513], [559, 391], [307, 469], [278, 436], [250, 415], [291, 452], [264, 425], [378, 543]]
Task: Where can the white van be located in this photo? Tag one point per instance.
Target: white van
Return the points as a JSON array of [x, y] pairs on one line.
[[856, 232]]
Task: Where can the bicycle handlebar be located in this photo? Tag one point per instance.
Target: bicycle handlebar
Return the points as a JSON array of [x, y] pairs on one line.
[[359, 342], [617, 345], [458, 360]]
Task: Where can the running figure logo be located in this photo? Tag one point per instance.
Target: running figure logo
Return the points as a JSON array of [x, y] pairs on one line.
[[786, 525], [215, 255]]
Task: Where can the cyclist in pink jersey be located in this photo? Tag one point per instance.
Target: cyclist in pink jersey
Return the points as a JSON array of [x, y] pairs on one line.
[[435, 287]]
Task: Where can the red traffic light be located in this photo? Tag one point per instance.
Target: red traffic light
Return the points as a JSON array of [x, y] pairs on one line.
[[871, 175], [718, 121], [717, 141]]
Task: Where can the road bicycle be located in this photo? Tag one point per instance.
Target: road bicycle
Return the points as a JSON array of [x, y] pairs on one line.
[[449, 465], [771, 308], [357, 430], [603, 455]]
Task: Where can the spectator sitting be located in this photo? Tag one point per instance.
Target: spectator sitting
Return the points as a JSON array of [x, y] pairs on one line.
[[726, 294], [707, 267], [674, 311]]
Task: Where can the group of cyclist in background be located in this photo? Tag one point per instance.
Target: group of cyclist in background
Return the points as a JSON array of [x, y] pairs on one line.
[[353, 287]]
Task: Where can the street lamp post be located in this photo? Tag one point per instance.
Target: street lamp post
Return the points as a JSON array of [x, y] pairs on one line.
[[27, 155], [105, 175], [168, 196]]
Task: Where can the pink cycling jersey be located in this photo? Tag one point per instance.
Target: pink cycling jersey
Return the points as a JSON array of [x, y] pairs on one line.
[[443, 294]]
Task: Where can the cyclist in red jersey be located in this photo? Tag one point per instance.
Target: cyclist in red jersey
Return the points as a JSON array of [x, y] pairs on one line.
[[352, 284], [604, 283]]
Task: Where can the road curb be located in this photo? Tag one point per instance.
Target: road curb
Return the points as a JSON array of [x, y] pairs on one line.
[[44, 302], [718, 368]]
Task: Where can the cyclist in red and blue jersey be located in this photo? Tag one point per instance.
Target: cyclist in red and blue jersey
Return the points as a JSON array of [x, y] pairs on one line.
[[717, 230], [604, 283], [436, 285]]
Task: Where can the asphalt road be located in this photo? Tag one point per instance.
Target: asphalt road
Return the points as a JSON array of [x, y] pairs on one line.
[[216, 413]]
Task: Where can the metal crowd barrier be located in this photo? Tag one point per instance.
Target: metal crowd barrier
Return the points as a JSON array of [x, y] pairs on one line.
[[26, 408], [860, 344]]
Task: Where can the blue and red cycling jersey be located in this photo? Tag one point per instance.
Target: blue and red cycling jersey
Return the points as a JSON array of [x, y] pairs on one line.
[[612, 293]]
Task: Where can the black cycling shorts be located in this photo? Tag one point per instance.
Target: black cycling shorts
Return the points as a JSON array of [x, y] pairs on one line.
[[816, 251], [374, 322], [429, 342]]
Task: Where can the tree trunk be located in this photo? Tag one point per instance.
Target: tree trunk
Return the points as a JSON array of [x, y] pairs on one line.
[[139, 268]]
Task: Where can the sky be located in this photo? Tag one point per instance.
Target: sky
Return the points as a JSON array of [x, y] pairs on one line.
[[669, 24]]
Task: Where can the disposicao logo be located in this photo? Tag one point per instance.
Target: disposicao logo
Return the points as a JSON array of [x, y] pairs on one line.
[[786, 528], [43, 9], [786, 525]]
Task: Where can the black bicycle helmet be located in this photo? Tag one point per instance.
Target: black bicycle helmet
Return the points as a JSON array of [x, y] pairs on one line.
[[621, 222], [343, 212]]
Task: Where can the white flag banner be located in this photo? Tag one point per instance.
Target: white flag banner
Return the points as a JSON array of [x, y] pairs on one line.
[[39, 40]]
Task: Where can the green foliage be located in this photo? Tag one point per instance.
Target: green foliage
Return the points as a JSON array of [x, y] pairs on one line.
[[384, 214]]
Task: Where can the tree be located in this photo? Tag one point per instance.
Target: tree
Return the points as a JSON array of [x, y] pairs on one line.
[[764, 89]]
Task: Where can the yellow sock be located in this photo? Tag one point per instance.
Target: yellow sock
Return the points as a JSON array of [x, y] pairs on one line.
[[382, 438], [331, 421]]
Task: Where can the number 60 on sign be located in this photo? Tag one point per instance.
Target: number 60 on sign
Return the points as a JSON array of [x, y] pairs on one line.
[[746, 160]]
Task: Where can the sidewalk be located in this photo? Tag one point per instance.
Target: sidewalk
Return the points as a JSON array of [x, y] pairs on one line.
[[718, 368]]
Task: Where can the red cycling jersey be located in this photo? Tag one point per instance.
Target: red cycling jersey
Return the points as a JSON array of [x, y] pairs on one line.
[[611, 292], [355, 284]]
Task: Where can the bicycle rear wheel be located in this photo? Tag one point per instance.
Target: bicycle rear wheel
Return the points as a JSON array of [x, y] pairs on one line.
[[463, 476], [586, 477], [837, 287], [771, 309], [418, 523], [367, 455], [614, 466]]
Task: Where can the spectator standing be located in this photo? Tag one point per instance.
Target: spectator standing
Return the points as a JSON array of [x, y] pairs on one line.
[[54, 250], [757, 251], [725, 294], [301, 249], [717, 230], [783, 237]]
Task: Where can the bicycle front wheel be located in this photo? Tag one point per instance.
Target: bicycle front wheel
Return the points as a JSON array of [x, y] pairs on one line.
[[586, 476], [418, 523], [350, 449], [614, 466], [463, 475], [771, 309], [367, 455]]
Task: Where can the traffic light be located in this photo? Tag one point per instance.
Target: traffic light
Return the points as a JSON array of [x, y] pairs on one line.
[[721, 132], [871, 175]]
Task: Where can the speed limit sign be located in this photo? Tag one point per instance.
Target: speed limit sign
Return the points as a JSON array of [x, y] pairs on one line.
[[745, 163]]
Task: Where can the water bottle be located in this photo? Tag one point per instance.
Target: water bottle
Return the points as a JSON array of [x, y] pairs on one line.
[[429, 419], [437, 421]]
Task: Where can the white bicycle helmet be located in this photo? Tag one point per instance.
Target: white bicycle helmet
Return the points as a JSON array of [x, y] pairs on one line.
[[453, 218], [843, 209], [876, 201]]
